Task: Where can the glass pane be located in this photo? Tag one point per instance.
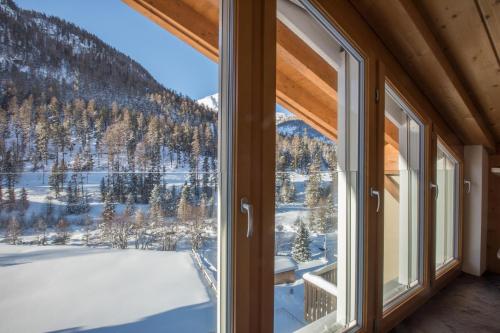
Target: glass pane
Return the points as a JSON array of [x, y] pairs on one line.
[[402, 179], [108, 184], [318, 115], [446, 206]]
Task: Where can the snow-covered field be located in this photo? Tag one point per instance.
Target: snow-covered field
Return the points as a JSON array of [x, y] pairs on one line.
[[79, 289]]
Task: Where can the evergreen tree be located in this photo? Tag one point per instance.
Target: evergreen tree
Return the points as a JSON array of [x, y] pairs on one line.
[[130, 205], [23, 200], [103, 189], [313, 187], [11, 196], [279, 238], [300, 249], [1, 195], [155, 206], [108, 216], [54, 182]]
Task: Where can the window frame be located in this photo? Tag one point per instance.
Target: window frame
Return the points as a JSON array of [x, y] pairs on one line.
[[440, 273], [332, 28], [396, 301]]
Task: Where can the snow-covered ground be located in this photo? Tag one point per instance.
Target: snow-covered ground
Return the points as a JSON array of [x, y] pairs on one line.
[[79, 289]]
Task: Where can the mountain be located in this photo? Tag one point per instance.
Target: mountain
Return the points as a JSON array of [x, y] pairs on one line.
[[42, 54], [289, 127], [211, 102]]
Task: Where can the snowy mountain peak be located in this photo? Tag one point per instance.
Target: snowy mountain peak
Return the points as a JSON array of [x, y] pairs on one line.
[[211, 102]]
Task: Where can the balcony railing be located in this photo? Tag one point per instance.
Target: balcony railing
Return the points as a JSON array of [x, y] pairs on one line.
[[320, 292]]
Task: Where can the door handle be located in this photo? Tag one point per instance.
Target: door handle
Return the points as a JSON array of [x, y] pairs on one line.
[[375, 193], [247, 208], [468, 183], [436, 188]]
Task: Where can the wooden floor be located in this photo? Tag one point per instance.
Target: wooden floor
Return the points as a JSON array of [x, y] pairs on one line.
[[469, 304]]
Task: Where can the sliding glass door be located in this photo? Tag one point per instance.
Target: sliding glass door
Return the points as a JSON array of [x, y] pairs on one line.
[[403, 204]]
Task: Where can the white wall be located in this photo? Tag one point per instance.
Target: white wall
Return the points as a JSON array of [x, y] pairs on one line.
[[475, 210]]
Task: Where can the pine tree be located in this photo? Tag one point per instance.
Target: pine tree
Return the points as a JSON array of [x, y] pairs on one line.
[[300, 249], [155, 206], [103, 189], [23, 200], [313, 187], [54, 183], [108, 215], [130, 205], [1, 195], [279, 238], [11, 196]]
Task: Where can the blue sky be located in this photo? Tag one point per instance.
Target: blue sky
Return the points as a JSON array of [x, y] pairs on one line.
[[172, 62]]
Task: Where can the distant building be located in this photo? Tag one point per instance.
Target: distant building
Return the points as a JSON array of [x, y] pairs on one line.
[[284, 269]]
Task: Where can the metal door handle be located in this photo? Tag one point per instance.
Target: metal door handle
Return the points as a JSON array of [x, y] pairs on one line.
[[468, 183], [435, 187], [247, 208], [375, 193]]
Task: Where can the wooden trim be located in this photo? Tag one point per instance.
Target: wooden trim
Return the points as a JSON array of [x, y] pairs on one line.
[[378, 235], [255, 56]]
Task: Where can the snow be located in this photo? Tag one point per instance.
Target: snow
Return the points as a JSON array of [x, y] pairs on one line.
[[211, 102], [321, 283], [72, 288], [284, 264], [7, 9], [289, 300]]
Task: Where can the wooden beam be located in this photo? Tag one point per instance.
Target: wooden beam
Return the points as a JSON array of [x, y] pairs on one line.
[[405, 33]]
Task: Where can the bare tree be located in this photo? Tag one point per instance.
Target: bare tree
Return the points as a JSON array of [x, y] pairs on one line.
[[13, 231], [63, 234], [41, 227]]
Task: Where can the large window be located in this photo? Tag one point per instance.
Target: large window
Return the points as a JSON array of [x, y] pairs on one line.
[[403, 157], [319, 124], [446, 206], [109, 170]]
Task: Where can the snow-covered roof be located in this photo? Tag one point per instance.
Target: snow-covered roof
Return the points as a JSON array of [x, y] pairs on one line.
[[284, 264]]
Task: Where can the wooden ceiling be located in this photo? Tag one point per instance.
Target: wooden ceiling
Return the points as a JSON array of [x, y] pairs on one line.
[[451, 49]]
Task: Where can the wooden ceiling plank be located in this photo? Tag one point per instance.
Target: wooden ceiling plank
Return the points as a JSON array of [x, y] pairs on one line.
[[460, 29], [399, 24]]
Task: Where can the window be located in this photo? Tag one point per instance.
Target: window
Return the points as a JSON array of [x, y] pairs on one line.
[[109, 170], [318, 157], [446, 206], [403, 176]]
